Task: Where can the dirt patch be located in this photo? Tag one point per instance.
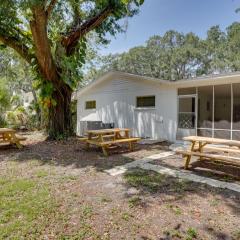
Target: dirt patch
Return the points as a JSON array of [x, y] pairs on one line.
[[206, 168], [87, 203]]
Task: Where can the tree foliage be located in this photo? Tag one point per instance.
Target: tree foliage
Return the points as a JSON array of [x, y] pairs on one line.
[[176, 55], [52, 36]]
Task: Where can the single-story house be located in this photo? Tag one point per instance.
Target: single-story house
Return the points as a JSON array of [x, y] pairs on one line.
[[162, 109]]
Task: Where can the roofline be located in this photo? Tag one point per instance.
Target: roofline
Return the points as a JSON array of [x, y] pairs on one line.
[[110, 74], [204, 79], [190, 81]]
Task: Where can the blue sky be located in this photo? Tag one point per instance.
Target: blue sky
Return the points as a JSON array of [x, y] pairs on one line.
[[158, 16]]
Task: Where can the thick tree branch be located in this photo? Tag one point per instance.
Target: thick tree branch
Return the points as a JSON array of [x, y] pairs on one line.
[[42, 45], [70, 41], [16, 44], [50, 7]]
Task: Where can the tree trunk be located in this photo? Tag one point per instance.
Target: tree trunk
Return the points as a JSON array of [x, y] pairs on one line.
[[60, 120]]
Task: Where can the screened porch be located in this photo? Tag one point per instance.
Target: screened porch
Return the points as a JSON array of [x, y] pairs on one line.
[[211, 111]]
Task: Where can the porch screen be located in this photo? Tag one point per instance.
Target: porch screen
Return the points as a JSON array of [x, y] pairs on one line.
[[186, 115], [205, 107], [222, 111], [236, 112]]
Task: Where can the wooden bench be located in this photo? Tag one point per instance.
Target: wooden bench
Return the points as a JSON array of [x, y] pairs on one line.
[[84, 139], [210, 156], [106, 144], [9, 136]]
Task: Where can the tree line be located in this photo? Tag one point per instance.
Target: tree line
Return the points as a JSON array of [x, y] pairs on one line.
[[176, 55]]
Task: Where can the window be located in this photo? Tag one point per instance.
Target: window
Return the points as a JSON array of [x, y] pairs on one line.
[[90, 104], [146, 101]]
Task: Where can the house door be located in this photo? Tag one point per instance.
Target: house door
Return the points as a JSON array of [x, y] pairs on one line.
[[187, 121]]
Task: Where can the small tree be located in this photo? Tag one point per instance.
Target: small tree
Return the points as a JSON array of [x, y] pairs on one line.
[[51, 35]]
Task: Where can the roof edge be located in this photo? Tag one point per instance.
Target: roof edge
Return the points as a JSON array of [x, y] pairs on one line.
[[196, 80], [110, 74]]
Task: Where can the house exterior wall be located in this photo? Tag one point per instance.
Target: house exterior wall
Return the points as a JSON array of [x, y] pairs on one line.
[[116, 94], [116, 102]]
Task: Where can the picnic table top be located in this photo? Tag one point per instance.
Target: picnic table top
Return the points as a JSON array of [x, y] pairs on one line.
[[7, 130], [110, 130], [212, 140]]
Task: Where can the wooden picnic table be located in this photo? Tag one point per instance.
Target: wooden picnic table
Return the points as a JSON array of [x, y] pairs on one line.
[[108, 137], [8, 135], [215, 147]]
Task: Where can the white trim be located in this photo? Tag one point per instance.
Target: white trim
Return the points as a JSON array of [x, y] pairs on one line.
[[192, 82], [144, 108]]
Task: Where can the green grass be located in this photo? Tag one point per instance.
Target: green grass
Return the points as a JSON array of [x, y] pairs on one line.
[[41, 173], [191, 234], [175, 209], [126, 216], [134, 201], [24, 208], [150, 180]]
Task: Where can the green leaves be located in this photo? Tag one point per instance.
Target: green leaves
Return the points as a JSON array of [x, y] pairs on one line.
[[175, 55]]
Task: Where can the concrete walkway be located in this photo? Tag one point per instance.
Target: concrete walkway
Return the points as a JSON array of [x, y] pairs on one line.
[[183, 174]]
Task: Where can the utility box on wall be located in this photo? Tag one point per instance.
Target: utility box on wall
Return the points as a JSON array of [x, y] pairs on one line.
[[93, 125]]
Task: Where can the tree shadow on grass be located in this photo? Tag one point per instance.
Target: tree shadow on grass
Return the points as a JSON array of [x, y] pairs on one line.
[[65, 153], [174, 192], [73, 153], [206, 168]]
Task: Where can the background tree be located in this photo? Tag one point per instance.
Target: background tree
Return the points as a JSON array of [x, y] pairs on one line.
[[175, 55], [51, 35]]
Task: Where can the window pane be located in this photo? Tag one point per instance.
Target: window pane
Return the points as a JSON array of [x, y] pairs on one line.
[[222, 134], [148, 101], [204, 132], [222, 108], [186, 91], [236, 135], [205, 106], [187, 105], [90, 105], [236, 106]]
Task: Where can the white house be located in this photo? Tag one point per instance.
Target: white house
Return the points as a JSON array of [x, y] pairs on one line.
[[161, 109]]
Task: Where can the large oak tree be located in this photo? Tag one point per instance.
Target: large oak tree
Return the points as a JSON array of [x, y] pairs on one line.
[[51, 35]]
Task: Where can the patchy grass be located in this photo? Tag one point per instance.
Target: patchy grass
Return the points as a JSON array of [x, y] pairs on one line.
[[148, 180], [58, 191], [153, 182], [134, 201], [25, 208], [41, 173], [191, 233], [126, 216], [176, 210]]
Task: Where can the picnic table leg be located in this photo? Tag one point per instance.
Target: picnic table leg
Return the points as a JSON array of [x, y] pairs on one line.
[[130, 146], [89, 138], [104, 149], [12, 139], [201, 149], [188, 158]]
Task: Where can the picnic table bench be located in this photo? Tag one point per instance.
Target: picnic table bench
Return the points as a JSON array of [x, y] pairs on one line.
[[8, 135], [215, 149], [105, 138]]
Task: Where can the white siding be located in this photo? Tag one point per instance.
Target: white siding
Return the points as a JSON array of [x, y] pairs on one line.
[[116, 102]]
